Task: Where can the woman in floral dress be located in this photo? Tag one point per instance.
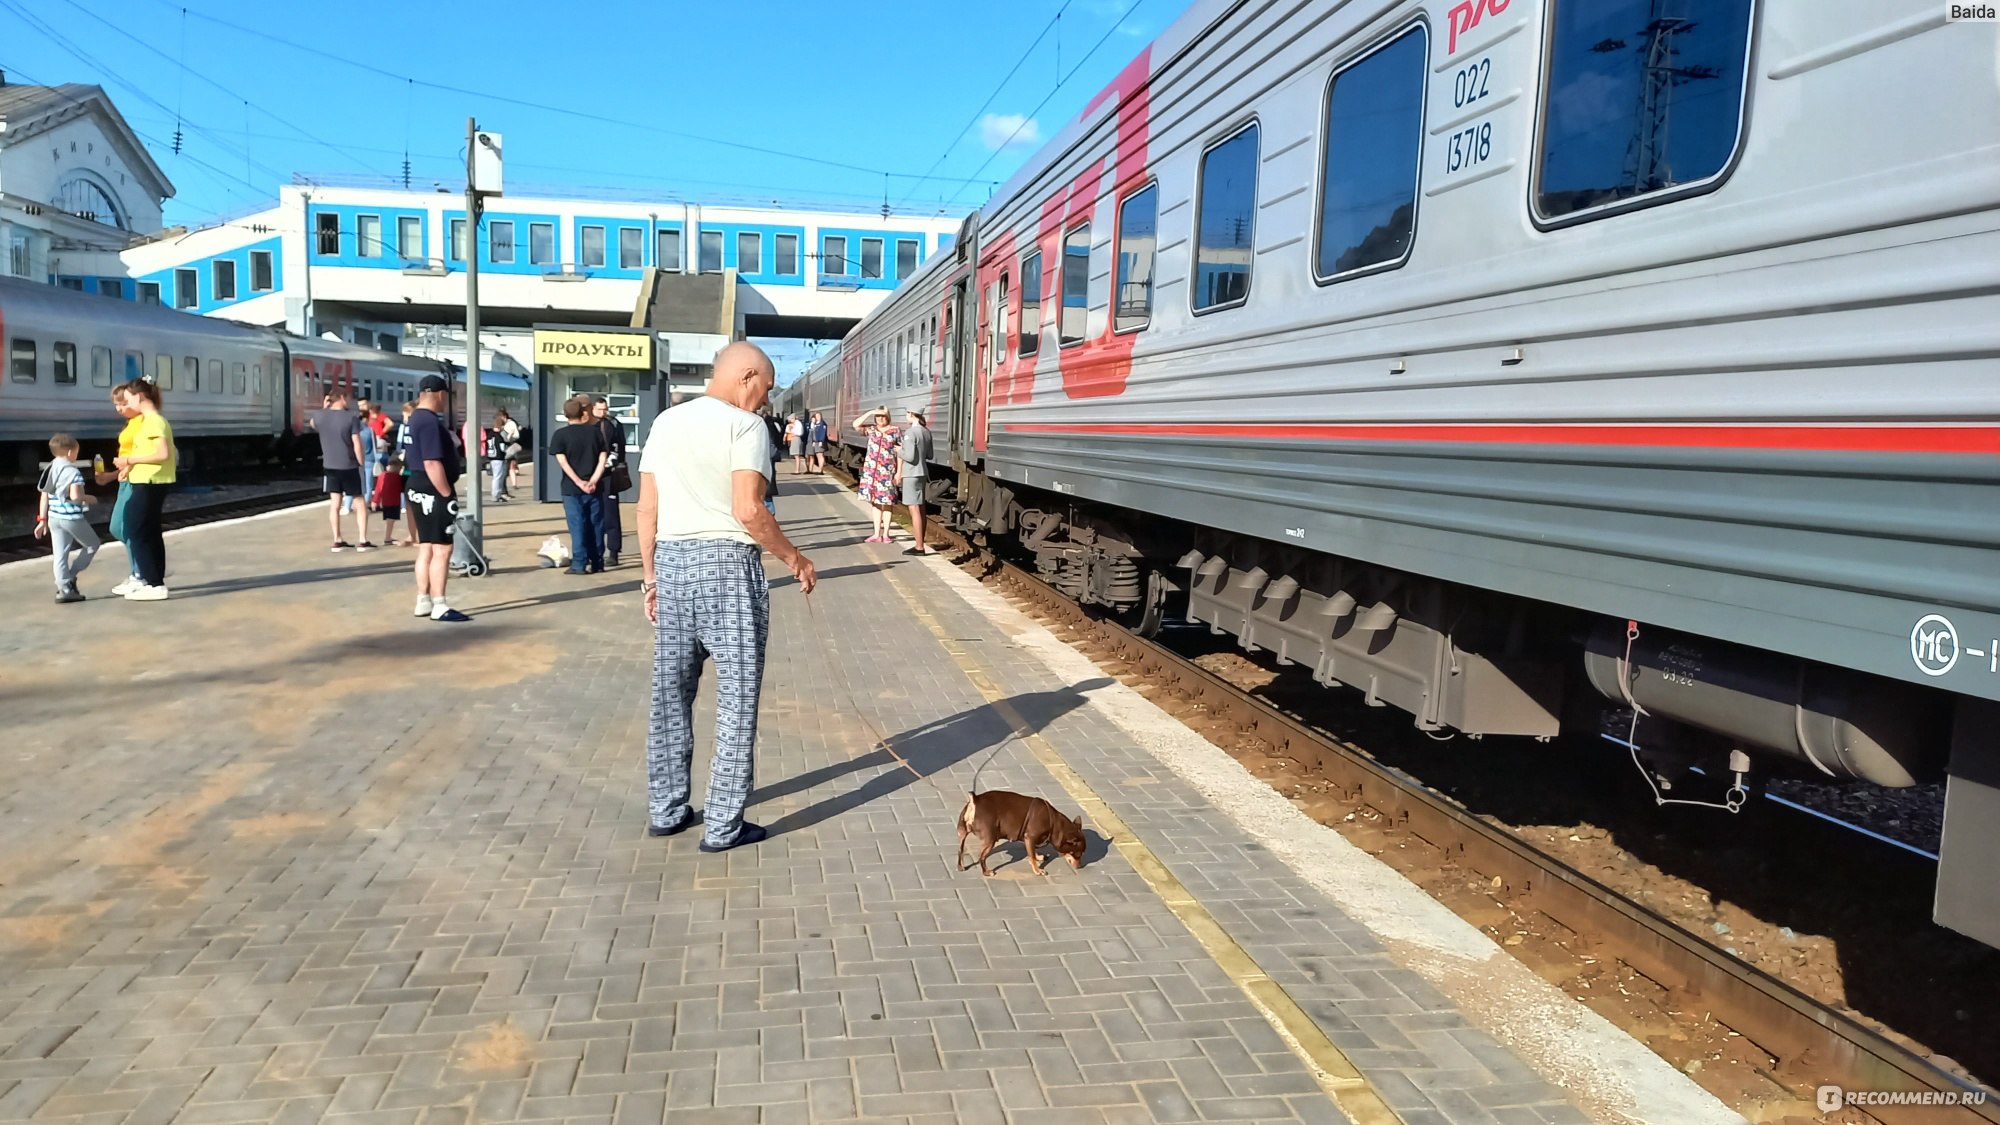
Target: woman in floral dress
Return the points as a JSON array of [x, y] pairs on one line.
[[878, 471]]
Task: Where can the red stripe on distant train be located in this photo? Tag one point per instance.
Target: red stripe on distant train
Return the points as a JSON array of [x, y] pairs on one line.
[[1844, 439]]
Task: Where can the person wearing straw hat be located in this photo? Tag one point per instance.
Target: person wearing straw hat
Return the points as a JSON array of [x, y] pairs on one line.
[[878, 471]]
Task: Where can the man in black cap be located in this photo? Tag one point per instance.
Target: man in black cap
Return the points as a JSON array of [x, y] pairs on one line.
[[433, 464]]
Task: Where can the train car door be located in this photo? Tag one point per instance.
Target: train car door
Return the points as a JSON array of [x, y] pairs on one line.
[[960, 372]]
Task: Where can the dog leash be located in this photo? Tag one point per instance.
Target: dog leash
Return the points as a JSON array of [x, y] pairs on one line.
[[882, 739]]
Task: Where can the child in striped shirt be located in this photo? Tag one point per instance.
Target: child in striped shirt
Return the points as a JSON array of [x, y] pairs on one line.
[[63, 517]]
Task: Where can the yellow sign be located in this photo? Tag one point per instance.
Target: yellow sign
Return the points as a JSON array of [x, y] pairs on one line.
[[594, 349]]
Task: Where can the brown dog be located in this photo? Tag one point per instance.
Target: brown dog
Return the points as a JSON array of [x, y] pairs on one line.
[[998, 815]]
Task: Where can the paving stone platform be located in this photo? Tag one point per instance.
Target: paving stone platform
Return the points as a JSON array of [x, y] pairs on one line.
[[276, 851]]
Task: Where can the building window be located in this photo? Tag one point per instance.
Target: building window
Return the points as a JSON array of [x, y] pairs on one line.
[[260, 271], [388, 343], [590, 248], [500, 242], [542, 244], [631, 248], [185, 296], [215, 376], [367, 236], [74, 284], [787, 251], [17, 254], [328, 226], [190, 373], [100, 367], [1617, 74], [1031, 304], [64, 358], [224, 277], [457, 249], [749, 252], [1373, 147], [668, 252], [111, 287], [711, 252], [21, 360], [410, 237], [1073, 323], [1226, 221], [906, 257], [871, 257], [1138, 238], [149, 292], [833, 256]]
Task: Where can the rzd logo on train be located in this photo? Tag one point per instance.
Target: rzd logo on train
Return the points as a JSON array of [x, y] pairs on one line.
[[1466, 16]]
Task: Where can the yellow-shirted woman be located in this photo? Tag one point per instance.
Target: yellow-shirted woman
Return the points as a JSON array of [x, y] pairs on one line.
[[149, 471]]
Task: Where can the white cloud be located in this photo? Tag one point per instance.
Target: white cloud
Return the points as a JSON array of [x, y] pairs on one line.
[[1000, 130]]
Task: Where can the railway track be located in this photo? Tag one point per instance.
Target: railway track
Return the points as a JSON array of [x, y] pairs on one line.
[[25, 546], [1810, 1043]]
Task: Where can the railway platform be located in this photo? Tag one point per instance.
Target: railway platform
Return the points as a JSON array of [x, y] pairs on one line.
[[276, 851]]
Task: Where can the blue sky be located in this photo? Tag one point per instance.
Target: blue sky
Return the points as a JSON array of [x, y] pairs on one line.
[[828, 96]]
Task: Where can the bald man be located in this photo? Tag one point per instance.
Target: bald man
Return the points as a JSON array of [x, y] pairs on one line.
[[702, 481]]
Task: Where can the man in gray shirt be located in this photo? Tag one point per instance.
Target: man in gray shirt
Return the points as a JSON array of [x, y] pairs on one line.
[[339, 432], [913, 466]]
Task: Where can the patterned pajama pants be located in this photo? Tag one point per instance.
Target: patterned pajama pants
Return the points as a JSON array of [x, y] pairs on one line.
[[713, 601]]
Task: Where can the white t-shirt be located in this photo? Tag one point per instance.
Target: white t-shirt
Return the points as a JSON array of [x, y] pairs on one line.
[[692, 452]]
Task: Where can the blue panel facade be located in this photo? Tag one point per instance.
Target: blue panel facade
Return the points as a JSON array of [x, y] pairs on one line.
[[852, 273], [363, 249], [519, 222], [205, 299], [764, 271]]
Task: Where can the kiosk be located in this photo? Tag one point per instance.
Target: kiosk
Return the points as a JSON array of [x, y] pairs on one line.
[[622, 365]]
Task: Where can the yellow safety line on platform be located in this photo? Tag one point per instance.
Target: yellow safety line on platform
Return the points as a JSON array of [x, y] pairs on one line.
[[1329, 1065]]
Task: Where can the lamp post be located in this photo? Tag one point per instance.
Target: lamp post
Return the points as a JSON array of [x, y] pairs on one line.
[[477, 452]]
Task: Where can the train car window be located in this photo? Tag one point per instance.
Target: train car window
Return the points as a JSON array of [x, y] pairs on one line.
[[667, 254], [749, 252], [100, 367], [135, 366], [1617, 74], [1370, 153], [215, 376], [64, 359], [929, 373], [1226, 222], [223, 279], [257, 380], [542, 244], [367, 236], [21, 360], [190, 373], [239, 382], [1138, 240], [871, 257], [1000, 321], [1031, 305], [590, 247], [787, 248], [1071, 323], [260, 271], [163, 372], [185, 294], [913, 354]]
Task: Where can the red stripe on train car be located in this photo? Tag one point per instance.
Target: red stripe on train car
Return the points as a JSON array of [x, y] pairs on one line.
[[1842, 439]]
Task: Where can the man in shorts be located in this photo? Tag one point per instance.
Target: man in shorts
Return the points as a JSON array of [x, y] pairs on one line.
[[340, 462], [432, 461], [913, 466]]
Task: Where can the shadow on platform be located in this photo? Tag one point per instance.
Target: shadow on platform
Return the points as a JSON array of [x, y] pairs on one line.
[[930, 749]]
